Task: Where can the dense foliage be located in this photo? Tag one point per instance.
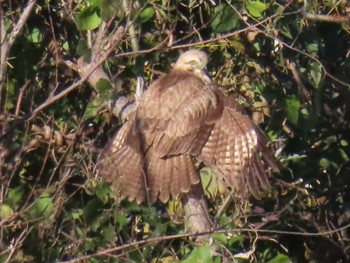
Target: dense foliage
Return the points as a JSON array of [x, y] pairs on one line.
[[287, 62]]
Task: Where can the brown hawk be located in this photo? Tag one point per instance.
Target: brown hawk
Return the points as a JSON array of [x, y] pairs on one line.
[[180, 116]]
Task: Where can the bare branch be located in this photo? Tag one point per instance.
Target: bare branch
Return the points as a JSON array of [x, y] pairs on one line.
[[327, 18], [21, 22], [6, 45]]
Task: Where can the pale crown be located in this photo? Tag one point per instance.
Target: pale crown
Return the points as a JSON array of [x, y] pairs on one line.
[[192, 60]]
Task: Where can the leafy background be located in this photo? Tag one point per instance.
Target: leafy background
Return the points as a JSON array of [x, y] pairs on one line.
[[287, 62]]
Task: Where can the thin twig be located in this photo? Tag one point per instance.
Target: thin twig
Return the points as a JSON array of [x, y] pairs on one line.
[[165, 238]]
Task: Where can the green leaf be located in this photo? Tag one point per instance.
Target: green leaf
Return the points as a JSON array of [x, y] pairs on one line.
[[292, 107], [120, 219], [280, 258], [211, 185], [42, 207], [15, 195], [146, 15], [312, 48], [316, 73], [221, 237], [285, 30], [89, 18], [136, 256], [236, 239], [237, 44], [225, 19], [5, 211], [107, 7], [108, 233], [256, 8], [199, 254], [83, 50], [328, 164], [131, 207], [92, 210], [104, 192], [104, 87], [36, 35], [9, 105]]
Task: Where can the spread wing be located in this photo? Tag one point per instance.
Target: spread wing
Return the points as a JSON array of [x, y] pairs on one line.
[[121, 163], [174, 116], [234, 147]]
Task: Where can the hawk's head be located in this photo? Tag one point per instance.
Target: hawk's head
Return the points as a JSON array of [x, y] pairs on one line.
[[194, 61]]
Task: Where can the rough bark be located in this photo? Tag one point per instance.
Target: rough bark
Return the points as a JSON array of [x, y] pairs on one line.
[[197, 218]]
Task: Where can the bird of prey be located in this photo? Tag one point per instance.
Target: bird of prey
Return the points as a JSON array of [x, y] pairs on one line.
[[184, 116]]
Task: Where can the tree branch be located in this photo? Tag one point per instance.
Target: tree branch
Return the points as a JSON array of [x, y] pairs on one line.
[[88, 72], [6, 45]]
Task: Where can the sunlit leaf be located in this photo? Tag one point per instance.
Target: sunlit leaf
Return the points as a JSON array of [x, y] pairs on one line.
[[5, 211], [292, 107], [9, 105], [89, 19], [199, 254], [256, 8], [42, 207], [280, 258], [36, 35], [175, 210], [211, 185], [221, 237], [146, 14]]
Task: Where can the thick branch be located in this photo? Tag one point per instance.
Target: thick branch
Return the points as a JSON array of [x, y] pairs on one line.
[[196, 210]]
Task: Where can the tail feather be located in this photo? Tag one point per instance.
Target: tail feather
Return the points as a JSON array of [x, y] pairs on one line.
[[168, 176], [176, 179]]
